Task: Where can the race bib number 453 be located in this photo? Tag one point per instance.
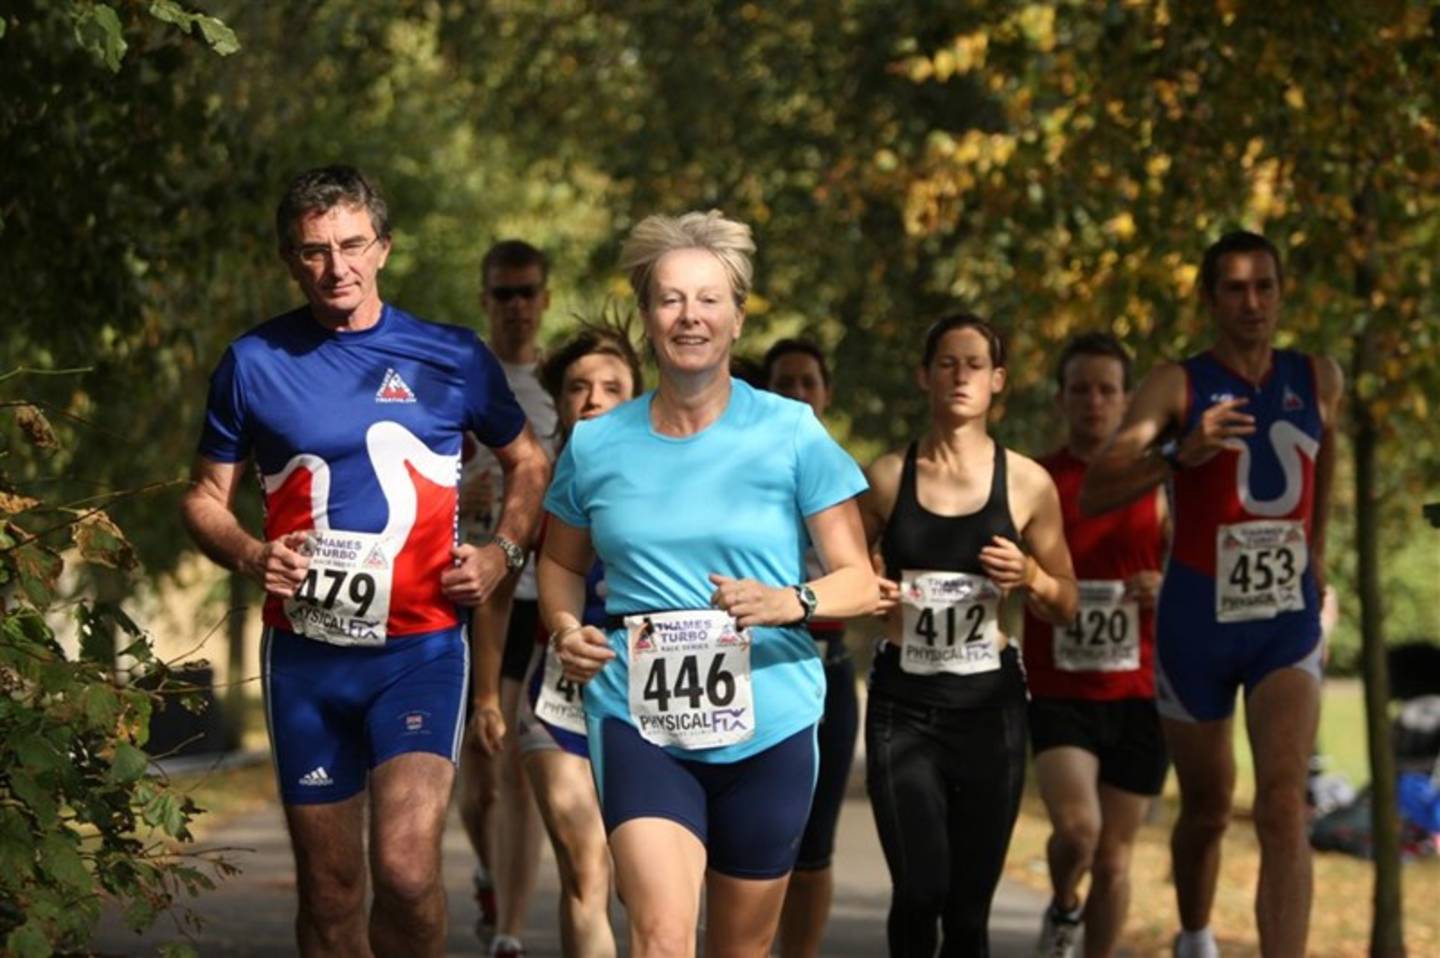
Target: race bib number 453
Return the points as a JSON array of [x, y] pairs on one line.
[[690, 679], [949, 623], [1259, 569], [344, 598], [1105, 635]]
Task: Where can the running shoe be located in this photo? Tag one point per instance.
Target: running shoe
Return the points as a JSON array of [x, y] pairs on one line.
[[506, 946], [1058, 933], [1196, 944], [485, 901]]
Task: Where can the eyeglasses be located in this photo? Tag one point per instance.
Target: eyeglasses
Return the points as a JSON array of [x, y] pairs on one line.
[[503, 294], [351, 250]]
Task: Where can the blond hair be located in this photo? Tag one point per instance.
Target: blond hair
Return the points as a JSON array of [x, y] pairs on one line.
[[728, 240]]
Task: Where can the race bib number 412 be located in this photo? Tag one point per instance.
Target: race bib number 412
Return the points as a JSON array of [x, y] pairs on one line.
[[1259, 569], [950, 623], [344, 598], [690, 679]]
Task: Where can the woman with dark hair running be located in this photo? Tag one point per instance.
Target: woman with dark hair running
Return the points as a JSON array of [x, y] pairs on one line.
[[963, 525]]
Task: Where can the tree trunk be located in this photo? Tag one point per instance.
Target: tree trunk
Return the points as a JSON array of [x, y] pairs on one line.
[[1387, 934], [236, 688]]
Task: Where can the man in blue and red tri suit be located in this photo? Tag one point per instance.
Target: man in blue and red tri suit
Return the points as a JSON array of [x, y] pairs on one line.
[[353, 413], [1244, 433]]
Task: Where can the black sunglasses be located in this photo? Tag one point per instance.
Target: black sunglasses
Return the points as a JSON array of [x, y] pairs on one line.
[[504, 294]]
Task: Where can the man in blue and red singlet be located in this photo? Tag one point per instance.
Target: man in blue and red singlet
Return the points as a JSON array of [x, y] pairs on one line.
[[1244, 433], [353, 413], [1099, 752]]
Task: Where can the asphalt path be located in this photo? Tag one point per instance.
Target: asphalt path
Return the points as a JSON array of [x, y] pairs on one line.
[[251, 914]]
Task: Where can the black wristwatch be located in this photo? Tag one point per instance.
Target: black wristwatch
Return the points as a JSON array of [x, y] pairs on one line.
[[1170, 452], [808, 601], [514, 555]]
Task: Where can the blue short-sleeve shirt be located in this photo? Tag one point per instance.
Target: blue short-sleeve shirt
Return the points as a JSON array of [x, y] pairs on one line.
[[664, 512]]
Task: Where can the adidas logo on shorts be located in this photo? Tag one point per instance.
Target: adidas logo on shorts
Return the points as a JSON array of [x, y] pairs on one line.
[[316, 776]]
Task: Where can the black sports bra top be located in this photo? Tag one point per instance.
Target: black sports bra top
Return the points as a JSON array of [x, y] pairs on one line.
[[916, 538]]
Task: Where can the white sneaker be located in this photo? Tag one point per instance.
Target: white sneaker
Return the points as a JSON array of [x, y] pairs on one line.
[[506, 946], [1058, 933], [1196, 944]]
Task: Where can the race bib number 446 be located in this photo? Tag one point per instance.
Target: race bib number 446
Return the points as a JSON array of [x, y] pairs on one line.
[[1259, 569], [690, 679], [950, 623], [344, 598], [561, 700], [1105, 635]]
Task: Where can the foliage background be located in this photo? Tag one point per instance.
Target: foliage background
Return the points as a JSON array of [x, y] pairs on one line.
[[1057, 165]]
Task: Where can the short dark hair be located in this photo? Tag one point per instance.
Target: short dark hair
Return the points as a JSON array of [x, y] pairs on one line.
[[324, 188], [787, 346], [1236, 241], [1094, 344], [945, 324], [608, 335], [513, 254]]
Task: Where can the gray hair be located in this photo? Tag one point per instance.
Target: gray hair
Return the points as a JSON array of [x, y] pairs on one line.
[[325, 188], [728, 240]]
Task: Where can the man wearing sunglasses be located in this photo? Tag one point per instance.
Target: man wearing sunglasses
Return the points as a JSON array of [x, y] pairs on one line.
[[496, 805], [354, 413]]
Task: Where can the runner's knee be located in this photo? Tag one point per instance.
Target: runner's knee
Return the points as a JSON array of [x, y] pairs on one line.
[[1079, 834], [405, 877], [1279, 812], [1111, 864]]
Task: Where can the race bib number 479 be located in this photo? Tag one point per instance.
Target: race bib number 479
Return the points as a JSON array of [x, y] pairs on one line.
[[949, 623], [344, 598], [690, 679], [1259, 569]]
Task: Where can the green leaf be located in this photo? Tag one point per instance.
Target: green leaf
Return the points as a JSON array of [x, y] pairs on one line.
[[177, 949], [101, 705], [169, 11], [139, 913], [17, 848], [39, 800], [100, 541], [60, 859], [220, 37], [39, 570], [38, 756], [98, 30], [28, 941], [128, 764]]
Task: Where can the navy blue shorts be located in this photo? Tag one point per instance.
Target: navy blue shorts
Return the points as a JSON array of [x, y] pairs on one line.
[[335, 712], [748, 814], [1200, 663]]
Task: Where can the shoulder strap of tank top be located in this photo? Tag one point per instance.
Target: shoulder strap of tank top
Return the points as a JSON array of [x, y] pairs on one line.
[[999, 493], [908, 492]]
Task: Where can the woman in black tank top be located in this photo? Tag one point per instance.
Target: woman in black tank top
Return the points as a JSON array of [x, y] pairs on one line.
[[963, 525]]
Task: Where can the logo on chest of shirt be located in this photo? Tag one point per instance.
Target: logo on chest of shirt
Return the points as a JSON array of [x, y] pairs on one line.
[[394, 389], [1291, 402]]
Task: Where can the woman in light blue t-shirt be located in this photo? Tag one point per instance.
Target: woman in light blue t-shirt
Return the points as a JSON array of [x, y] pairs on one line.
[[703, 693]]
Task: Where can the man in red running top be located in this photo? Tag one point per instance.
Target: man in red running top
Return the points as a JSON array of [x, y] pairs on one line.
[[1244, 434], [1099, 753]]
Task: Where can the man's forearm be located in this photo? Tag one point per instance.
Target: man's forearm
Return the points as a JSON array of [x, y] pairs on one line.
[[524, 492], [489, 623], [219, 534], [1111, 482]]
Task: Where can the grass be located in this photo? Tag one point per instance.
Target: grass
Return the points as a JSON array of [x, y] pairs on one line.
[[1340, 917]]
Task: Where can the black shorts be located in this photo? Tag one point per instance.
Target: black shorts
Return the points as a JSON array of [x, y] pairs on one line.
[[1124, 734], [836, 740], [520, 639]]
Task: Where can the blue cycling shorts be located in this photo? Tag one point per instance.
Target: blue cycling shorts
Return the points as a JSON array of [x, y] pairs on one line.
[[335, 712]]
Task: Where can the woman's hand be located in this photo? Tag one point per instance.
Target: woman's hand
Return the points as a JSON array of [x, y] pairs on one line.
[[752, 603], [1144, 588], [582, 652], [889, 597], [1007, 566]]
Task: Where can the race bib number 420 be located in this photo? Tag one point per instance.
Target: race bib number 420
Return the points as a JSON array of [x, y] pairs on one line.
[[690, 679], [1259, 569], [950, 623], [1105, 634], [344, 598]]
